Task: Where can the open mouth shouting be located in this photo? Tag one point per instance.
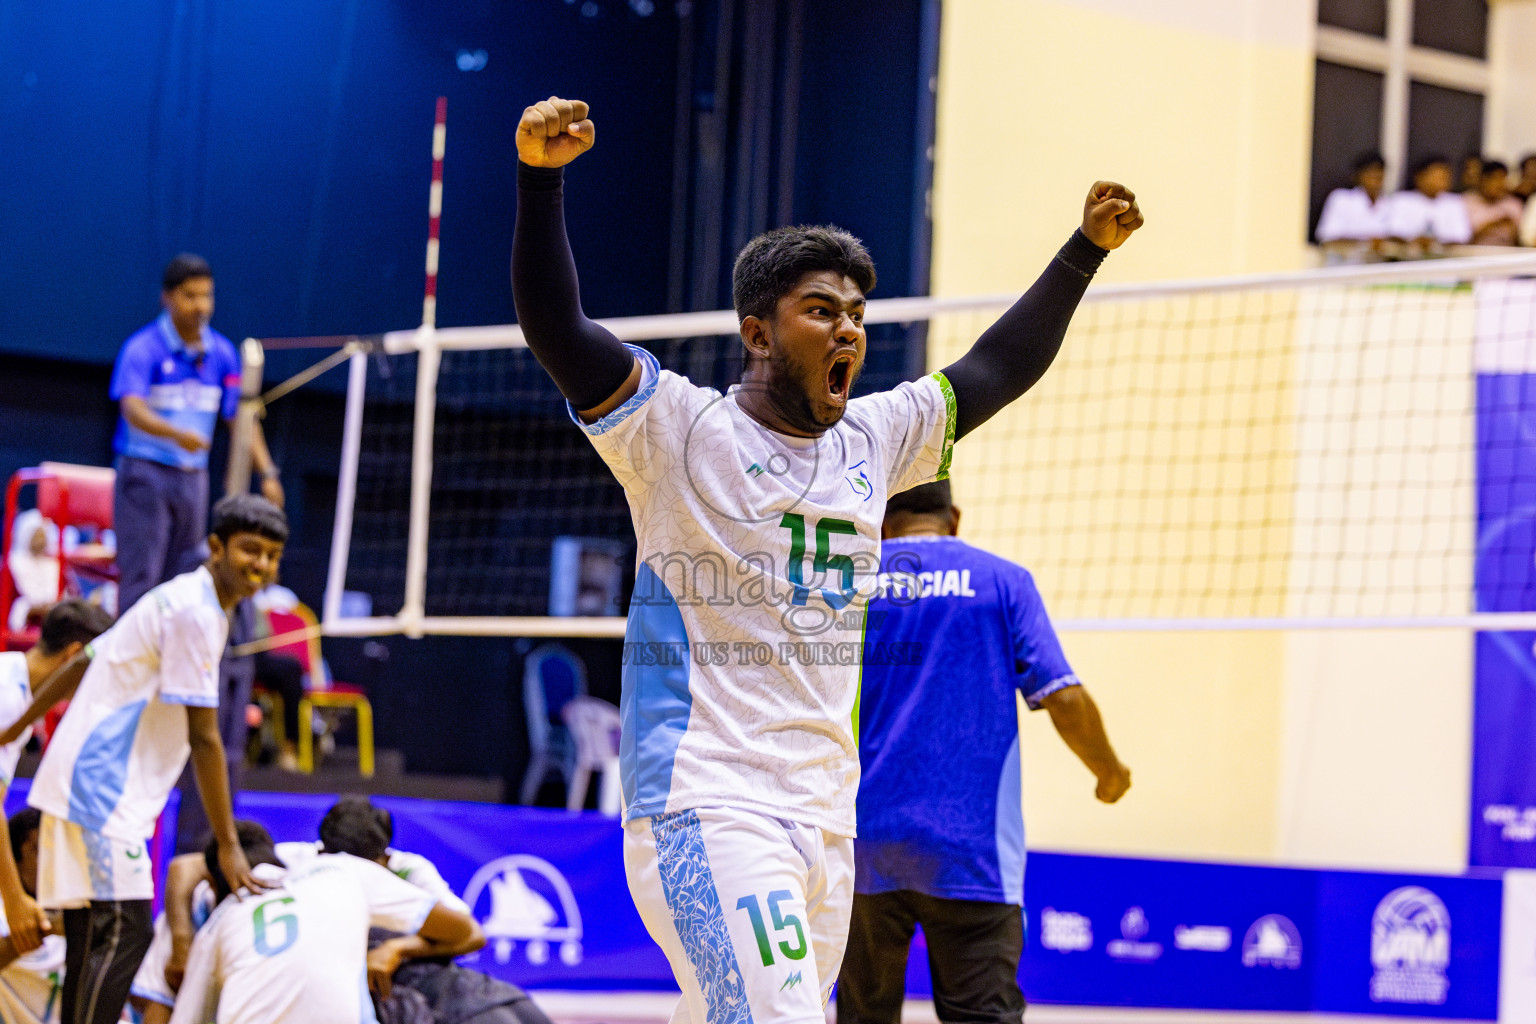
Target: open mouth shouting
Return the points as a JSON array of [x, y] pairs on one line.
[[840, 378]]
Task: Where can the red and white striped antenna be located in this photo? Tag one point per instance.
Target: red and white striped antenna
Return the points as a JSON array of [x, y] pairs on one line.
[[435, 212]]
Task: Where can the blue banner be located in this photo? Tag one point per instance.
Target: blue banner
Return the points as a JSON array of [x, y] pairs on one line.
[[548, 889], [1503, 827], [1113, 932], [1155, 933]]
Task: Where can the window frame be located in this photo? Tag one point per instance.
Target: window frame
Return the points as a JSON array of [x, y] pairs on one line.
[[1402, 63]]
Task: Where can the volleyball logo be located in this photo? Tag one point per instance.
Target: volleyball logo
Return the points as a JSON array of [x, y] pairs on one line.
[[1272, 941], [1410, 947], [538, 914]]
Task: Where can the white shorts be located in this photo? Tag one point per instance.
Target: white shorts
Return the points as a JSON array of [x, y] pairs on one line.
[[149, 983], [77, 866], [751, 911]]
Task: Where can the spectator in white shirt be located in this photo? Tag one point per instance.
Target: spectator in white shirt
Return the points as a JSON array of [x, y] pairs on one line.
[[1354, 221], [1493, 212], [1528, 224], [1429, 216]]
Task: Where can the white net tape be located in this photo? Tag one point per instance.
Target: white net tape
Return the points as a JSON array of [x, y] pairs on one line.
[[1296, 450]]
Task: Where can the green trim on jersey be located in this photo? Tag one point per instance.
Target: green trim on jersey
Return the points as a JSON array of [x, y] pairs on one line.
[[858, 685], [949, 425]]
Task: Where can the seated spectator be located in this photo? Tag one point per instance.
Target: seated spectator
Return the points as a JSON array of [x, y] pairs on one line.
[[1528, 225], [1526, 186], [1429, 215], [1354, 220], [34, 566], [1472, 168], [1493, 212]]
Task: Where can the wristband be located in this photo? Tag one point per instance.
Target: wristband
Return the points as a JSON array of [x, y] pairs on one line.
[[1081, 255], [539, 179]]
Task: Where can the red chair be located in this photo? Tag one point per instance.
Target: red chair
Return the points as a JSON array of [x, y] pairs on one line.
[[320, 691], [69, 495]]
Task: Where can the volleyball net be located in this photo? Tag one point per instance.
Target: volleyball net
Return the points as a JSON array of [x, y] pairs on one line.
[[1316, 449]]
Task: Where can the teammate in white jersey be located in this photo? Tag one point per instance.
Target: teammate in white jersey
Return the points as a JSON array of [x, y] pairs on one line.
[[298, 953], [67, 628], [352, 826], [143, 698], [757, 515], [30, 982]]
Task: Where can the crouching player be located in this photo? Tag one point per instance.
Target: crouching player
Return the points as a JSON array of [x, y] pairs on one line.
[[144, 698], [29, 981], [298, 953]]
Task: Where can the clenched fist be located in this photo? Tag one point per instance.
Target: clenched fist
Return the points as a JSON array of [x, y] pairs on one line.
[[1109, 215], [554, 132]]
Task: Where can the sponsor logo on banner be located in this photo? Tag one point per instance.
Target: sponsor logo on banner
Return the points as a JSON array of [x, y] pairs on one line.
[[1065, 931], [526, 899], [1272, 941], [1410, 947], [1130, 945], [1515, 824], [1202, 938]]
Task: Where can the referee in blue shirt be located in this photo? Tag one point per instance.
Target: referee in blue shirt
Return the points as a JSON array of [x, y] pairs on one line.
[[954, 633], [173, 381]]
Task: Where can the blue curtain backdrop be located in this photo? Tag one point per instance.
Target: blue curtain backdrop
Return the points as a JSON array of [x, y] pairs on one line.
[[290, 144]]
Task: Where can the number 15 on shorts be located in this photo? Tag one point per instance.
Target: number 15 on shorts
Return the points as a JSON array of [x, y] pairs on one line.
[[782, 924]]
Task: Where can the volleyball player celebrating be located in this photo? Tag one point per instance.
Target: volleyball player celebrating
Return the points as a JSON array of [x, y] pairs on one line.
[[738, 758]]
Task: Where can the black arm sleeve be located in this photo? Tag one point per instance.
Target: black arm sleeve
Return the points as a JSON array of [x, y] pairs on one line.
[[1015, 352], [585, 360]]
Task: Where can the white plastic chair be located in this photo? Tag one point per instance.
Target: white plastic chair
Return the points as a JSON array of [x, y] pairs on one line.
[[594, 726]]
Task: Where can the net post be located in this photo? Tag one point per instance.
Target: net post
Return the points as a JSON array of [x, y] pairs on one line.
[[435, 212], [346, 487], [237, 475], [428, 358]]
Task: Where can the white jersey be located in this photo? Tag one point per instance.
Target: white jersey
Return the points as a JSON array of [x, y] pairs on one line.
[[297, 953], [410, 867], [29, 985], [149, 983], [757, 554], [15, 698], [123, 742]]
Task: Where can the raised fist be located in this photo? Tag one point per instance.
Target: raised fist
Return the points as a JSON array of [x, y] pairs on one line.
[[554, 132], [1110, 214]]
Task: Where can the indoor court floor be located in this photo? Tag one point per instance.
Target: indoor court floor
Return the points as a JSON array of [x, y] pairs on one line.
[[656, 1008]]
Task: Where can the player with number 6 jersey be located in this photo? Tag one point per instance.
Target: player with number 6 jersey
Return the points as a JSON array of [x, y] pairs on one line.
[[298, 952], [757, 513]]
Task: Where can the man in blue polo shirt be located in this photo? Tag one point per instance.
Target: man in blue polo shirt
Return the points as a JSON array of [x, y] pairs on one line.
[[173, 380], [953, 634]]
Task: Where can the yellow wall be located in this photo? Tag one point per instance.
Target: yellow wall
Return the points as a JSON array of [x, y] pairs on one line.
[[1348, 748], [1211, 128], [1038, 99]]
